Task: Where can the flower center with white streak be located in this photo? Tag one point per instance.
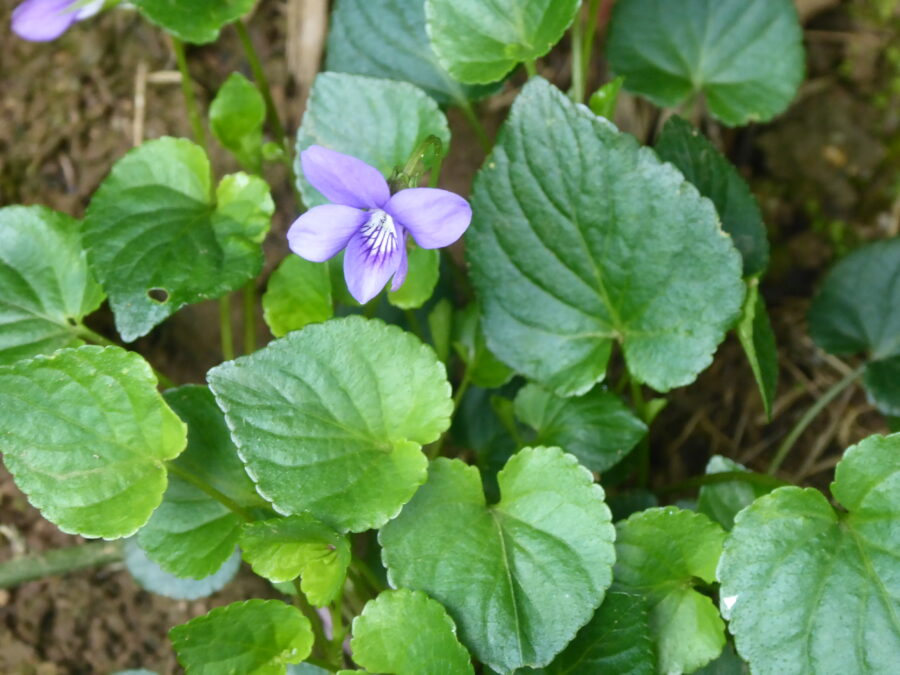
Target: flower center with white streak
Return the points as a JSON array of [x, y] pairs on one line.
[[379, 236]]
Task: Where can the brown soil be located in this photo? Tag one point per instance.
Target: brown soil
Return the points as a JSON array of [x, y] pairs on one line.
[[825, 173]]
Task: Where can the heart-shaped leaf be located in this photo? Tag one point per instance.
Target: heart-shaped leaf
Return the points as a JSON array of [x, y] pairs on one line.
[[331, 419], [604, 243], [806, 588], [236, 117], [159, 239], [85, 434], [519, 577], [46, 288], [745, 58], [197, 21], [155, 579], [299, 293]]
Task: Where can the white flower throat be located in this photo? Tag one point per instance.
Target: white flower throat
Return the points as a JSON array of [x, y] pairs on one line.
[[379, 234]]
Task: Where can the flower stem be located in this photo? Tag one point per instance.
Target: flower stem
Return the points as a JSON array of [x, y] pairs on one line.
[[530, 68], [338, 631], [208, 489], [587, 44], [262, 83], [226, 337], [817, 407], [59, 561], [576, 93], [250, 317], [187, 90], [469, 112]]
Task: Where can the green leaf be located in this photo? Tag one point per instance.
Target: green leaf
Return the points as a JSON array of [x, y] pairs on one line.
[[192, 534], [197, 21], [236, 117], [856, 311], [718, 180], [298, 294], [85, 434], [46, 288], [424, 270], [519, 577], [745, 58], [806, 588], [256, 637], [155, 579], [407, 633], [603, 101], [331, 419], [755, 333], [440, 325], [597, 428], [604, 243], [484, 369], [379, 121], [728, 663], [662, 553], [281, 549], [158, 240], [723, 501], [479, 42], [615, 642], [396, 48]]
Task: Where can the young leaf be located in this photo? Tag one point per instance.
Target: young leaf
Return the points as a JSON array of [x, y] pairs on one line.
[[754, 330], [424, 270], [856, 311], [397, 48], [298, 294], [597, 428], [485, 370], [46, 288], [723, 501], [155, 579], [192, 534], [379, 121], [198, 21], [281, 549], [480, 42], [605, 243], [236, 117], [603, 101], [440, 325], [519, 577], [745, 58], [331, 419], [662, 553], [806, 588], [158, 239], [85, 434], [407, 633], [717, 179], [256, 637]]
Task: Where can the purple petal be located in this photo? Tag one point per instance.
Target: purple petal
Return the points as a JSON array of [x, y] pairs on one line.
[[324, 230], [366, 272], [403, 267], [343, 179], [43, 20], [435, 218]]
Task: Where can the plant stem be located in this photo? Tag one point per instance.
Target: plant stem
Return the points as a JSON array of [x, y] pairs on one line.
[[817, 407], [435, 450], [362, 568], [476, 125], [576, 93], [187, 89], [724, 477], [530, 68], [338, 630], [262, 83], [315, 621], [250, 317], [226, 336], [414, 325], [59, 561], [587, 44], [208, 489], [637, 400]]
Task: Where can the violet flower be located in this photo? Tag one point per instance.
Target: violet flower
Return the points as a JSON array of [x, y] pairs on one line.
[[45, 20], [369, 222]]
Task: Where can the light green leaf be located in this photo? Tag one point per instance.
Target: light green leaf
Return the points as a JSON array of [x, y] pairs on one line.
[[158, 240], [236, 117], [754, 330], [598, 428], [46, 288], [424, 270], [723, 501], [396, 48], [808, 589], [256, 637], [615, 642], [745, 58], [407, 633], [192, 534], [281, 549], [717, 179], [379, 121], [520, 577], [480, 42], [856, 311], [331, 419], [603, 101], [85, 434], [197, 21], [605, 243], [155, 579], [298, 294], [662, 553], [484, 369]]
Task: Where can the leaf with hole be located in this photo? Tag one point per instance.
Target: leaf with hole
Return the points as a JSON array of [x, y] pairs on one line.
[[198, 21], [298, 294]]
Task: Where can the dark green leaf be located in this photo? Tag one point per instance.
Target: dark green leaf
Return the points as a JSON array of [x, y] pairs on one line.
[[440, 325], [723, 501], [484, 369], [755, 333], [298, 294], [236, 117], [197, 21]]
